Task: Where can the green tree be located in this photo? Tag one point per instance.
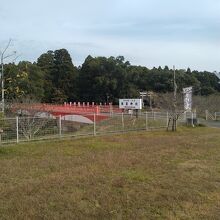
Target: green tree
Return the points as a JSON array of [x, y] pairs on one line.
[[60, 76], [46, 63], [24, 79], [64, 74], [34, 86], [15, 80], [103, 79]]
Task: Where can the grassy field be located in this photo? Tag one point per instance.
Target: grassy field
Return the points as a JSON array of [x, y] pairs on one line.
[[139, 175]]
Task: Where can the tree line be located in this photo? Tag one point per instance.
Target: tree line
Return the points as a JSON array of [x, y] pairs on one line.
[[53, 78]]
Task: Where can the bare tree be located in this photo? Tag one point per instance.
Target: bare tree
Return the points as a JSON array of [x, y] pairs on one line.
[[33, 118]]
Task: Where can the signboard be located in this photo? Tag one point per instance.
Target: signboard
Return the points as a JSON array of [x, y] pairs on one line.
[[143, 93], [130, 103], [187, 93]]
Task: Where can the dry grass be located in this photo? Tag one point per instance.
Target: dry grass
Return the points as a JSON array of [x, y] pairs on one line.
[[131, 176]]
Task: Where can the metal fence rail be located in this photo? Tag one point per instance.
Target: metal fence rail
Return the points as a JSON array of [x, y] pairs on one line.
[[20, 129]]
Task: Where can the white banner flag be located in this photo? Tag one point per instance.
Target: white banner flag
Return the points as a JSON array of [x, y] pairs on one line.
[[187, 92]]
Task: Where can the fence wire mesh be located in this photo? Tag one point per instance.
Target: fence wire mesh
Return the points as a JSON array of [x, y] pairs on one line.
[[33, 128], [8, 130], [78, 125], [21, 129]]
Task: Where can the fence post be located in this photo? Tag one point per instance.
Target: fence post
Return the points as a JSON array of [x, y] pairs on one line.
[[146, 121], [17, 130], [60, 126], [206, 115], [192, 120], [167, 119], [94, 125], [176, 118], [110, 112], [215, 116], [122, 120]]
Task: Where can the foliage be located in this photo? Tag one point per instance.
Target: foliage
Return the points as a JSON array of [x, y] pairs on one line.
[[24, 79], [54, 78], [104, 79], [60, 76]]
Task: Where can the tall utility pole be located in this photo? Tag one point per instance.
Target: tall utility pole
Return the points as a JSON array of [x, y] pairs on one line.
[[3, 56], [175, 90], [174, 100]]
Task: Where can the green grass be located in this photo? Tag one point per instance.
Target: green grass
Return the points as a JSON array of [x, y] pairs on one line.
[[138, 175]]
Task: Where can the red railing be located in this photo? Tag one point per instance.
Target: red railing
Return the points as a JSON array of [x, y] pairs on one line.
[[75, 108]]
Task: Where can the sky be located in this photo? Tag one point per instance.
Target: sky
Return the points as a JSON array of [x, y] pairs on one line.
[[184, 33]]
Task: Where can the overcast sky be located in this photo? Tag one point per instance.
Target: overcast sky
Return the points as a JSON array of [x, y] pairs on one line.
[[147, 32]]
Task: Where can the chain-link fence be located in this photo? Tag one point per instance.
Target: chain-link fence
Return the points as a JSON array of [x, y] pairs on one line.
[[18, 129]]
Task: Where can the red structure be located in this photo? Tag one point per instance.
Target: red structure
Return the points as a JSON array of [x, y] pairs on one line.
[[99, 112]]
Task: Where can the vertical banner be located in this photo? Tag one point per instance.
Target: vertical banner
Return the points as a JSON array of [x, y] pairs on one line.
[[187, 93]]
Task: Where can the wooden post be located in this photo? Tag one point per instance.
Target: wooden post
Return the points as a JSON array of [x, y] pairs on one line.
[[122, 120], [146, 121]]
